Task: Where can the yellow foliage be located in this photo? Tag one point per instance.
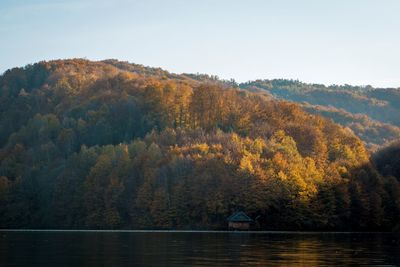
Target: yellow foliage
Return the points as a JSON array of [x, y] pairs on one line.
[[202, 148]]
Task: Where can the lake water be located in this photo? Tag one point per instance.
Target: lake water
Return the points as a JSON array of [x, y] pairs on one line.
[[133, 248]]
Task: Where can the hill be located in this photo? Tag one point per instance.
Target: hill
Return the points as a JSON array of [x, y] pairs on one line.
[[110, 144], [372, 113]]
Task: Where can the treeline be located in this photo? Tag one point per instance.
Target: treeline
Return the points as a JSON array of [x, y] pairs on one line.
[[387, 160], [375, 134], [379, 106], [112, 145]]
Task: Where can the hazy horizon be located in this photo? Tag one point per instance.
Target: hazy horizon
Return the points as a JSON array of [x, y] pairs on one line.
[[341, 42]]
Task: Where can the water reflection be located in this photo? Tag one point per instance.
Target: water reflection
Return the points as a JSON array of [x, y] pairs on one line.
[[196, 249]]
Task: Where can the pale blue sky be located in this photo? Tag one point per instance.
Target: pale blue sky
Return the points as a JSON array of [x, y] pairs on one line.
[[323, 41]]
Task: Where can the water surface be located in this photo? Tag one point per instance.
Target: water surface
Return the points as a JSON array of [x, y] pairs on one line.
[[142, 248]]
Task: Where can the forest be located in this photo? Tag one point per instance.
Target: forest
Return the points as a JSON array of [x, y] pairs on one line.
[[115, 145], [371, 113]]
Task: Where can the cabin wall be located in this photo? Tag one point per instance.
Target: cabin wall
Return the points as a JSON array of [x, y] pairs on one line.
[[239, 225]]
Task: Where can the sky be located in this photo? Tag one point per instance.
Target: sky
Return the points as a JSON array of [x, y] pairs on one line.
[[320, 41]]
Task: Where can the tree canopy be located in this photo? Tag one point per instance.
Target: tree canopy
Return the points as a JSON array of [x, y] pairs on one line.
[[372, 113], [116, 145]]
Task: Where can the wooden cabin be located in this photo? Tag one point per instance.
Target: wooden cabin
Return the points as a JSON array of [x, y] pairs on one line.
[[239, 221]]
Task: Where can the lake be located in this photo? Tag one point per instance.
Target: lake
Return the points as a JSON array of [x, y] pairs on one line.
[[173, 248]]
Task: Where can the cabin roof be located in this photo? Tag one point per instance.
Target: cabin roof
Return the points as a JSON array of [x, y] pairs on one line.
[[239, 217]]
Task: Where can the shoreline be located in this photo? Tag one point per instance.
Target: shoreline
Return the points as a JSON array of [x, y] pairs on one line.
[[194, 231]]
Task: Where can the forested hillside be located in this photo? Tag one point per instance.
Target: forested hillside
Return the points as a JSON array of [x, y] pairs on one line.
[[115, 145], [372, 113], [387, 160]]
